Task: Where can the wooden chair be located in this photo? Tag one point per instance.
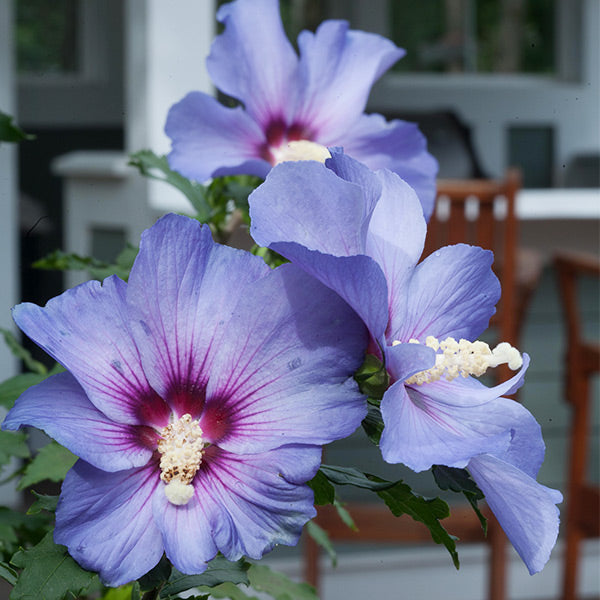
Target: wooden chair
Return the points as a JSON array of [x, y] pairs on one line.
[[482, 212], [479, 212], [582, 362]]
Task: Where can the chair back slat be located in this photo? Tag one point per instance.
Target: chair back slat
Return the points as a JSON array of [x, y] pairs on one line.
[[482, 212]]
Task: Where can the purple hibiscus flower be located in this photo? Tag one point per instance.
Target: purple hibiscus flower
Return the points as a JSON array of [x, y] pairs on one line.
[[365, 242], [318, 96], [197, 398]]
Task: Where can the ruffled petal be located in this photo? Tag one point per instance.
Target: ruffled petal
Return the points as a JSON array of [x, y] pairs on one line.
[[209, 139], [182, 289], [524, 508], [404, 360], [246, 504], [337, 70], [472, 391], [254, 37], [421, 431], [356, 172], [398, 146], [307, 203], [105, 520], [283, 372], [318, 217], [59, 406], [86, 329], [395, 238], [453, 292], [357, 279]]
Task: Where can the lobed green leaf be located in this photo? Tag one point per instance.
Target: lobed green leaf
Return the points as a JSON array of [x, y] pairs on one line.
[[352, 476], [49, 573], [220, 570], [459, 480], [324, 491], [319, 535], [10, 131], [51, 463], [8, 573], [12, 388], [157, 167], [400, 499], [22, 353], [43, 502], [278, 585], [13, 444]]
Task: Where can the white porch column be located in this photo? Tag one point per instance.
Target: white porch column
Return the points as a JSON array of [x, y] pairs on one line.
[[166, 46], [9, 222]]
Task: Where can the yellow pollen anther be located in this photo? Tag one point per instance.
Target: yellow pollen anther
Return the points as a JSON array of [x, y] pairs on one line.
[[300, 150], [463, 358], [181, 447]]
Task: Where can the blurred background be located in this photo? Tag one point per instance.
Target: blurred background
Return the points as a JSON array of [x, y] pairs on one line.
[[492, 83]]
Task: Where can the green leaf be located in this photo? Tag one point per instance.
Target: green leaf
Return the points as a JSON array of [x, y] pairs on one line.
[[352, 476], [97, 269], [43, 502], [373, 423], [51, 463], [8, 573], [157, 576], [12, 388], [324, 491], [219, 571], [372, 378], [19, 528], [319, 535], [400, 499], [121, 268], [278, 585], [49, 573], [157, 167], [123, 592], [65, 261], [459, 480], [345, 516], [13, 444], [225, 590], [10, 131], [21, 353]]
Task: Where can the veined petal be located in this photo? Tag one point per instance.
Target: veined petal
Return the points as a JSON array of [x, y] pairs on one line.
[[524, 508], [248, 503], [209, 139], [472, 391], [86, 330], [182, 289], [357, 279], [452, 293], [105, 520], [337, 69], [187, 532], [254, 37], [353, 171], [283, 372], [396, 237], [404, 360], [421, 431], [307, 203], [59, 406], [398, 146]]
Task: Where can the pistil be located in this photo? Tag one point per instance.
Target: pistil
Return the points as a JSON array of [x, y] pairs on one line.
[[300, 150], [181, 447], [463, 358]]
